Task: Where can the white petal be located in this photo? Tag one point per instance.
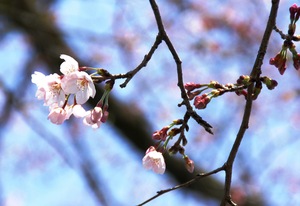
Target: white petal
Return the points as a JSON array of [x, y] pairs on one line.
[[69, 65]]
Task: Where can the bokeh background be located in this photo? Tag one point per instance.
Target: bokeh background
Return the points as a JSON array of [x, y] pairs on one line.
[[73, 165]]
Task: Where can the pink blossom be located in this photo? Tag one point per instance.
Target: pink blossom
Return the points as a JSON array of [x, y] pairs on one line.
[[93, 118], [49, 88], [57, 115], [154, 160], [69, 66], [39, 79], [78, 111], [80, 84]]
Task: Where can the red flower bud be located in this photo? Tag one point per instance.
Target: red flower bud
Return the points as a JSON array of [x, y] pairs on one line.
[[200, 102], [191, 86], [279, 61], [161, 134], [293, 10]]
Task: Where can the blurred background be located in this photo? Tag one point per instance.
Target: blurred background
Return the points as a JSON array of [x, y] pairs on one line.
[[73, 165]]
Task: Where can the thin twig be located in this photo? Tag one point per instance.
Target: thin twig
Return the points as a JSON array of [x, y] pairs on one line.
[[144, 63], [255, 73], [166, 39], [186, 184]]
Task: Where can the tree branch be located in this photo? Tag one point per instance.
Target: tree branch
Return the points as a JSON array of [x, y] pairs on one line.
[[255, 73]]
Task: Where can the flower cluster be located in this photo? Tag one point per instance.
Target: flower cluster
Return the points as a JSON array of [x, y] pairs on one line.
[[55, 90], [154, 159], [280, 60]]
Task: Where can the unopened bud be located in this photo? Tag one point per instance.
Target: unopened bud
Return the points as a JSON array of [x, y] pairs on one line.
[[189, 164]]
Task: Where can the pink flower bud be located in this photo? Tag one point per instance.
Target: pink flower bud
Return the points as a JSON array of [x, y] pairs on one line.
[[293, 10], [93, 118], [200, 102], [57, 115], [189, 164], [191, 86]]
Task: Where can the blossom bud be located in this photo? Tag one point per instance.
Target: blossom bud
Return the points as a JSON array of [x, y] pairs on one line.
[[189, 164], [200, 102], [191, 86], [270, 83], [293, 10], [279, 61], [161, 134], [215, 85], [178, 121], [243, 79]]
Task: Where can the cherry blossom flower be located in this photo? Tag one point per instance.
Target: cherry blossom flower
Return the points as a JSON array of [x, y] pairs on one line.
[[39, 79], [69, 66], [80, 84], [154, 160], [93, 117], [49, 88], [78, 111], [58, 115]]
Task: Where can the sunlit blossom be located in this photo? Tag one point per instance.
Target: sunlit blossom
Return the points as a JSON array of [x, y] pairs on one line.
[[154, 160], [69, 66], [49, 88], [80, 84]]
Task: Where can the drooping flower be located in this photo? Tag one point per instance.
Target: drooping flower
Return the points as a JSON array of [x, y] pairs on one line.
[[80, 84], [189, 164], [154, 160], [58, 115], [279, 61], [93, 117]]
